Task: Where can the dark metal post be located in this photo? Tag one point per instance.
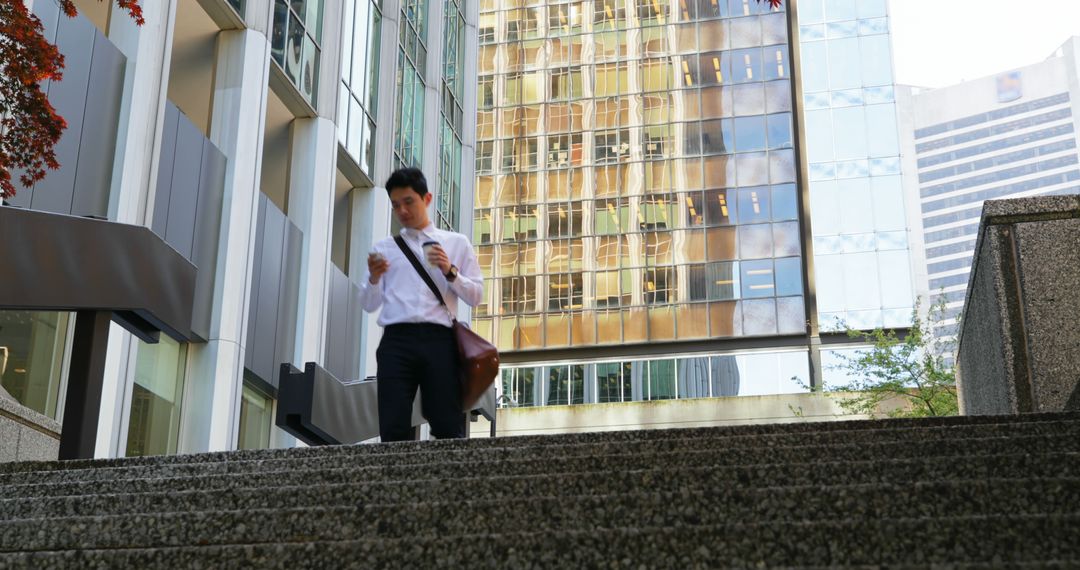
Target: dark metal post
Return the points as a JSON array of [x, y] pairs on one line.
[[78, 435]]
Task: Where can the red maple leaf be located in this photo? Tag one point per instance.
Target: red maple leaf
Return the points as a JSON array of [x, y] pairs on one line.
[[773, 3], [30, 127]]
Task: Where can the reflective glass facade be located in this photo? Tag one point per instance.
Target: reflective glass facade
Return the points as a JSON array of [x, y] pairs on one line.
[[32, 346], [862, 262], [640, 380], [452, 117], [154, 425], [296, 43], [409, 99], [358, 98], [635, 174], [256, 419]]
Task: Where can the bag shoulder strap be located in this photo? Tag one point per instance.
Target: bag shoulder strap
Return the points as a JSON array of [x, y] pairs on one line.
[[419, 268]]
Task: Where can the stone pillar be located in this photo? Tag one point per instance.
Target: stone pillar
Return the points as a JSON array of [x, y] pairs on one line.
[[237, 123], [78, 439]]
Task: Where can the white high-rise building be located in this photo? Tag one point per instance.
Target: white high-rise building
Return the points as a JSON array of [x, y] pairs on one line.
[[1005, 136]]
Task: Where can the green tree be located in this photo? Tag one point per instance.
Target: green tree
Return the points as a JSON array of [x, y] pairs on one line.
[[911, 368]]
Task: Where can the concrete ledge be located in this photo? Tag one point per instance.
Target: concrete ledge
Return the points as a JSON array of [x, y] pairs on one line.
[[1019, 342], [666, 414], [26, 435]]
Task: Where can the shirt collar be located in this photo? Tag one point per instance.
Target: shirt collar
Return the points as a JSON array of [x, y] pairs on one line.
[[417, 234]]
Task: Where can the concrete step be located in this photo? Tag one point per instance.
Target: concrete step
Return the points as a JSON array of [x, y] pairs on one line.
[[1022, 465], [652, 506], [1030, 424], [995, 540], [741, 450], [519, 479]]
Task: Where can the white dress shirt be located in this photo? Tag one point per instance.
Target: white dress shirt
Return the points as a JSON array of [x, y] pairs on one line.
[[402, 293]]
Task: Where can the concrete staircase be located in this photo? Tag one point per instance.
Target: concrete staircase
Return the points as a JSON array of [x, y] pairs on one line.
[[967, 492]]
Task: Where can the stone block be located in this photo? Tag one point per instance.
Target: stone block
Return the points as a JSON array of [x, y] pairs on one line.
[[1019, 345], [20, 413], [19, 423], [37, 446], [9, 439]]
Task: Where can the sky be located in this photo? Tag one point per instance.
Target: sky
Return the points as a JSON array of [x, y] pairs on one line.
[[942, 42]]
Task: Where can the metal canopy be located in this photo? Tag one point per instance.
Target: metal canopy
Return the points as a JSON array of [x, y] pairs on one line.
[[55, 262]]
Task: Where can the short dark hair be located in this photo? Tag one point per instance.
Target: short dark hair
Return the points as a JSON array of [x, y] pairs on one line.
[[407, 178]]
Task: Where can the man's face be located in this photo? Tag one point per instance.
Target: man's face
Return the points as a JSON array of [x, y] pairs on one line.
[[410, 207]]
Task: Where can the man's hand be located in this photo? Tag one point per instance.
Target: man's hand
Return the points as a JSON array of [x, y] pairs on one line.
[[377, 265], [437, 257]]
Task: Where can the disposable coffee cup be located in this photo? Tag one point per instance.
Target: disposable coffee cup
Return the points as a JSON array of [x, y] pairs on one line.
[[428, 246]]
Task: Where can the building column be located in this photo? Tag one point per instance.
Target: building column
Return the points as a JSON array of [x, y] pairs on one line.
[[469, 104], [148, 49], [370, 222], [216, 368], [371, 206], [311, 207]]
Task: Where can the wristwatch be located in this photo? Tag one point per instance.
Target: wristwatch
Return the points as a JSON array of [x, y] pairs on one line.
[[452, 274]]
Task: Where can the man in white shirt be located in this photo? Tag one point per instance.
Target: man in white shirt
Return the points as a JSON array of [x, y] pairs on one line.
[[418, 347]]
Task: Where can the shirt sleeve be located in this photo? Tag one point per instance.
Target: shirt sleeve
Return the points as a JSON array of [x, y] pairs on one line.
[[469, 285], [371, 296]]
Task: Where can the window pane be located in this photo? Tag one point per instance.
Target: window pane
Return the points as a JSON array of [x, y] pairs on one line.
[[788, 276], [154, 425], [780, 131], [558, 386], [749, 133], [851, 134], [609, 383], [693, 378], [256, 418], [746, 65], [661, 379], [32, 347]]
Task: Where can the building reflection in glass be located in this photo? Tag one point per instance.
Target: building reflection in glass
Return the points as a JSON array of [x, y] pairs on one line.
[[32, 350], [635, 176], [638, 380]]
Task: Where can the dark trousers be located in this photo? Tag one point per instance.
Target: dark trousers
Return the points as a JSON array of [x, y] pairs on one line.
[[423, 356]]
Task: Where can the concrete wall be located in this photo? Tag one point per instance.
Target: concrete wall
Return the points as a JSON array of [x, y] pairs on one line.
[[343, 319], [26, 435], [1021, 322], [187, 206], [274, 293], [667, 414]]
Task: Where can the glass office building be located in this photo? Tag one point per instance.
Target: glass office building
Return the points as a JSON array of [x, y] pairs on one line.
[[862, 266], [636, 184]]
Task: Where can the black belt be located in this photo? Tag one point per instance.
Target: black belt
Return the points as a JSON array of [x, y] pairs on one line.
[[426, 329]]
